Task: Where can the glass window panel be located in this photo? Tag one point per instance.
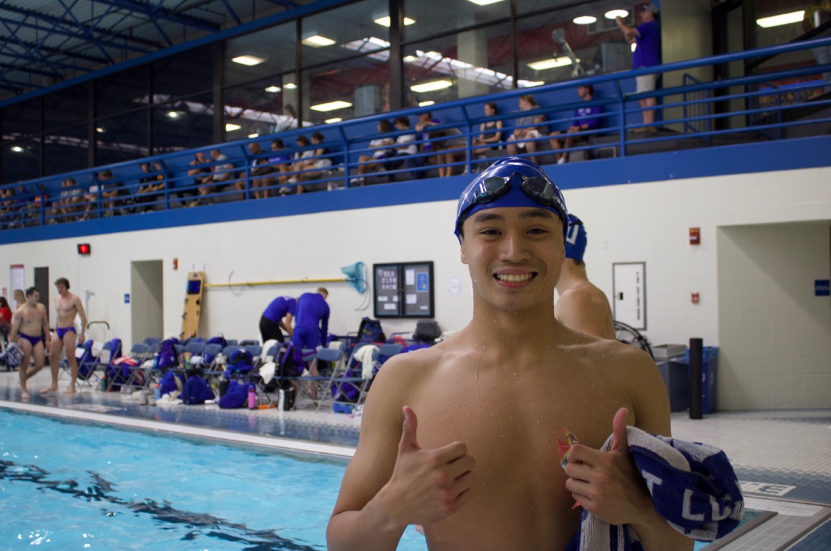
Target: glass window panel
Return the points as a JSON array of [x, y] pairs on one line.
[[599, 47], [589, 8], [183, 124], [358, 84], [183, 74], [344, 31], [21, 161], [790, 29], [121, 91], [275, 46], [21, 119], [470, 63], [66, 107], [433, 17], [65, 150], [257, 108], [121, 138]]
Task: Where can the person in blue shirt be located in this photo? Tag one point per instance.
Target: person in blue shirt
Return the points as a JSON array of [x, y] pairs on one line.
[[278, 313], [647, 53], [585, 118], [311, 323]]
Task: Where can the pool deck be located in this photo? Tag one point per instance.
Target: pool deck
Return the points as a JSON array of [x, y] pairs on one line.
[[782, 457]]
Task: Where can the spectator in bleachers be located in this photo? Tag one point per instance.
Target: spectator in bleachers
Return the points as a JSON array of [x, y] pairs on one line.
[[382, 151], [149, 186], [201, 177], [6, 202], [259, 169], [452, 148], [220, 172], [526, 103], [111, 191], [310, 159], [585, 118], [490, 133], [425, 121], [70, 196], [647, 53], [280, 161], [404, 145]]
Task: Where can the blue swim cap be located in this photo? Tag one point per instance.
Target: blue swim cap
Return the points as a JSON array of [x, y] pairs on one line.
[[575, 239], [511, 182]]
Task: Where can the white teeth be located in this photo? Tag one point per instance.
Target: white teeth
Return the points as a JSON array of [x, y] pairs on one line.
[[513, 278]]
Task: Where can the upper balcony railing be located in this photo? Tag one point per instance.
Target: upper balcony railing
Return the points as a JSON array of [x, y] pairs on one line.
[[696, 113]]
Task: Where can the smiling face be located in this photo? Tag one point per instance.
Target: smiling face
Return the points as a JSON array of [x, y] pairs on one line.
[[514, 255]]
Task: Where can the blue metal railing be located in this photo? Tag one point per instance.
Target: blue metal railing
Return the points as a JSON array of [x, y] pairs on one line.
[[345, 155]]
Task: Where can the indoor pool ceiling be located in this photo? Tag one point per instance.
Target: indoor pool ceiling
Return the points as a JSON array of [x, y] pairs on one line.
[[46, 41]]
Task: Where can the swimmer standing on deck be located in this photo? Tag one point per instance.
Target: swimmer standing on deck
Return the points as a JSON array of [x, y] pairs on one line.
[[28, 326], [478, 467], [67, 306]]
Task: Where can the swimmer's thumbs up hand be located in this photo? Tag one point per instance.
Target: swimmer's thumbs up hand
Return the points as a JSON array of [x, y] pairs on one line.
[[409, 441], [620, 442]]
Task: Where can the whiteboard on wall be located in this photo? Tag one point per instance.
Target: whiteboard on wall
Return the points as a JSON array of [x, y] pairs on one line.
[[17, 278], [629, 289]]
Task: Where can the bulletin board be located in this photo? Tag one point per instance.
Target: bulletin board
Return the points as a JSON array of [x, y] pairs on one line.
[[404, 290]]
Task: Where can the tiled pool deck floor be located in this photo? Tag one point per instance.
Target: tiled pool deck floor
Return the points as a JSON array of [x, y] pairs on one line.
[[782, 457]]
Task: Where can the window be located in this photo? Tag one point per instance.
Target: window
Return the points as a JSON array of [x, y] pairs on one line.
[[65, 150], [21, 161], [260, 54], [122, 91], [183, 124], [470, 63], [257, 107], [183, 74], [21, 119], [344, 32], [66, 107], [121, 138], [345, 90], [432, 17]]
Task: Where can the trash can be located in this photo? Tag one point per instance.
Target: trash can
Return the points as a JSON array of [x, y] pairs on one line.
[[709, 371], [676, 376]]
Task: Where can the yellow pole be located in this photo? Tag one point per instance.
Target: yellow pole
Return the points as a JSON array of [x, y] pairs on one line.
[[257, 283]]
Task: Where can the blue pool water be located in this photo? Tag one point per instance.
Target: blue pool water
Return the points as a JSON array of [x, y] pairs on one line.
[[69, 485]]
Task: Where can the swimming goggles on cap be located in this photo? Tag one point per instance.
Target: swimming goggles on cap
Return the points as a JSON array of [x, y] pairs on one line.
[[540, 190]]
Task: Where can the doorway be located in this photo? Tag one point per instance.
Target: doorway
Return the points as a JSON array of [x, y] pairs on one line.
[[42, 285], [146, 300]]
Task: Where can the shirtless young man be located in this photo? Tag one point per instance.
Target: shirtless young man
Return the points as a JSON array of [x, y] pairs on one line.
[[28, 326], [581, 306], [67, 305], [479, 466]]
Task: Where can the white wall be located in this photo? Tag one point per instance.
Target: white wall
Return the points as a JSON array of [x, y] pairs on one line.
[[774, 332], [635, 222]]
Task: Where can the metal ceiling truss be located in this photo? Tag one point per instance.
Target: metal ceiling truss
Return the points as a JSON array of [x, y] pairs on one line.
[[43, 42]]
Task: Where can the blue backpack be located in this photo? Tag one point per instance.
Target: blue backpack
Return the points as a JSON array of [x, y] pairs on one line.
[[87, 363], [196, 391], [370, 331], [239, 362], [219, 339], [347, 391], [167, 383], [166, 355], [235, 397]]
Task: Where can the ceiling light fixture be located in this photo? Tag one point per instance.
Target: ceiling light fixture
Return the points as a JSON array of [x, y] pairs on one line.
[[585, 20], [17, 149], [530, 83], [431, 86], [254, 135], [385, 21], [544, 64], [331, 106], [230, 127], [273, 89], [174, 114], [782, 19], [484, 2], [317, 41], [612, 14], [333, 121], [99, 130], [426, 103], [248, 60], [289, 86]]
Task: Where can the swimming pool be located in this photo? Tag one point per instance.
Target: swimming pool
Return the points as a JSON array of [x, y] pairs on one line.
[[73, 484], [82, 486]]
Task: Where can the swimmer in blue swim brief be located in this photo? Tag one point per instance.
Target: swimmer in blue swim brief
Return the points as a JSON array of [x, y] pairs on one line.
[[67, 306], [29, 323]]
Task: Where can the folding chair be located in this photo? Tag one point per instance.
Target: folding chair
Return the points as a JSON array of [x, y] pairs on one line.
[[249, 342], [254, 349], [149, 341], [256, 379], [131, 373], [87, 363], [230, 342], [344, 387]]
